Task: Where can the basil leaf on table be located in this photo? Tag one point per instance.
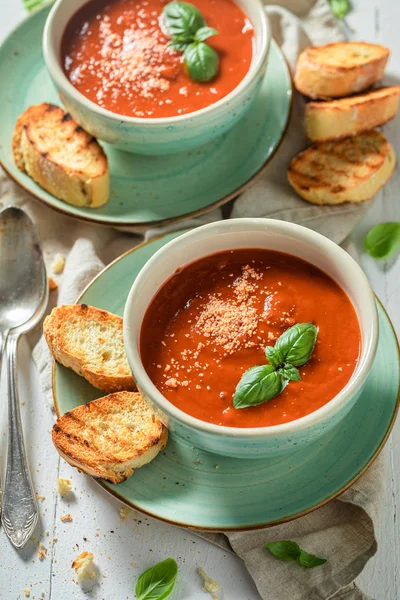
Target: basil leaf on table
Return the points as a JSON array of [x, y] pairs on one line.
[[157, 582], [290, 551], [297, 343], [258, 384], [340, 8], [310, 560], [202, 61], [204, 33], [284, 550], [383, 239], [183, 19], [290, 373]]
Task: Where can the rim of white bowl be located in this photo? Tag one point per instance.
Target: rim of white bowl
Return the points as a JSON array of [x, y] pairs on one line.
[[54, 67], [358, 377]]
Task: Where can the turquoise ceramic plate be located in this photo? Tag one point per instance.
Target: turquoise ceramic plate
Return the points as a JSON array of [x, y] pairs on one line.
[[148, 190], [192, 488]]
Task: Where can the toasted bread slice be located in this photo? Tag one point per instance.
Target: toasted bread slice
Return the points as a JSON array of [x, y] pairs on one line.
[[349, 170], [90, 342], [111, 436], [60, 156], [339, 69], [350, 116]]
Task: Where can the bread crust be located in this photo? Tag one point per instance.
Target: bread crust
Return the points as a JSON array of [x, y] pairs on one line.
[[68, 328], [339, 69], [60, 156], [349, 116], [111, 436], [349, 170]]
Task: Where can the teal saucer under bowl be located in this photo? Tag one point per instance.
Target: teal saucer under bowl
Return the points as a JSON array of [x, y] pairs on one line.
[[148, 190], [191, 488]]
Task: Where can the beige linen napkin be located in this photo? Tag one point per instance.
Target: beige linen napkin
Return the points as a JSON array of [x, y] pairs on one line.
[[342, 531]]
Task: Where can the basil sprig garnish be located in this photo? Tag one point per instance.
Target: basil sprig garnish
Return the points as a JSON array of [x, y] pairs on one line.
[[188, 31], [262, 383], [290, 551], [157, 582]]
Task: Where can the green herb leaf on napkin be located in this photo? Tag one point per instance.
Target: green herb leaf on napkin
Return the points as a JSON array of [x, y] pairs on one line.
[[157, 582], [290, 551], [383, 239], [340, 8]]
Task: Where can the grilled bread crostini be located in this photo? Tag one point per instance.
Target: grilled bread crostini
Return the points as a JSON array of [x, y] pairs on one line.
[[349, 116], [111, 436], [339, 69], [60, 156], [90, 342], [349, 170]]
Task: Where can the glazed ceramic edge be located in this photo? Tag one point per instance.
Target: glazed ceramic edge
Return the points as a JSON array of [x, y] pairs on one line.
[[164, 135], [275, 235]]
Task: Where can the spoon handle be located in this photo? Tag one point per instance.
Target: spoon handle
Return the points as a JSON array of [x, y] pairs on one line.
[[19, 513]]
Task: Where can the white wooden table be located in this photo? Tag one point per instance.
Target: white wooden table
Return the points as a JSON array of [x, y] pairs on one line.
[[124, 548]]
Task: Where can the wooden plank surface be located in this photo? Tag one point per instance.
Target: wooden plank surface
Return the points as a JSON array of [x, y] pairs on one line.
[[123, 548]]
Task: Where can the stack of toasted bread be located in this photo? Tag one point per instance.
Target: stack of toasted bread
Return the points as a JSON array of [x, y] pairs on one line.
[[349, 160], [111, 436]]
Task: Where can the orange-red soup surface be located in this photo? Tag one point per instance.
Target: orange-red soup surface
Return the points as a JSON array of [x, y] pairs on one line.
[[115, 53], [211, 321]]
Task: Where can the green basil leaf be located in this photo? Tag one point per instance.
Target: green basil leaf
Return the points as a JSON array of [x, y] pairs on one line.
[[204, 33], [290, 373], [157, 582], [310, 561], [383, 239], [284, 550], [257, 385], [297, 343], [274, 356], [202, 61], [175, 44], [31, 5], [340, 8], [183, 18]]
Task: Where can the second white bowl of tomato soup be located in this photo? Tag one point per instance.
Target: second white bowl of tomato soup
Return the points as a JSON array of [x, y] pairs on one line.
[[251, 337], [157, 77]]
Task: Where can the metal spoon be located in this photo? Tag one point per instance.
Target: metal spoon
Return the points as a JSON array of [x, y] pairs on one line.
[[23, 300]]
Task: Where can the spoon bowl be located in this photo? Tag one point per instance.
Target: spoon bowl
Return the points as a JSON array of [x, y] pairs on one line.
[[23, 286]]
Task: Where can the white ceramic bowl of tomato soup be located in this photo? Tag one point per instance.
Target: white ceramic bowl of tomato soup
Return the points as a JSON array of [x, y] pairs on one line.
[[344, 312], [176, 114]]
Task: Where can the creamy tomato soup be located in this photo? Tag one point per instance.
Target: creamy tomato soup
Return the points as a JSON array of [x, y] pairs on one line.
[[212, 320], [116, 54]]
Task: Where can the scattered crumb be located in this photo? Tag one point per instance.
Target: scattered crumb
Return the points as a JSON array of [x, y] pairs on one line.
[[52, 284], [42, 552], [172, 383], [63, 486], [124, 512], [66, 518], [217, 466], [210, 585], [27, 593], [41, 498], [58, 264], [84, 566]]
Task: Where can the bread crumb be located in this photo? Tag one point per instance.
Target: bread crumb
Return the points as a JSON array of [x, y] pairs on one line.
[[84, 566], [27, 593], [172, 383], [41, 498], [58, 264], [66, 518], [52, 284], [210, 585], [42, 552], [124, 512], [63, 486]]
